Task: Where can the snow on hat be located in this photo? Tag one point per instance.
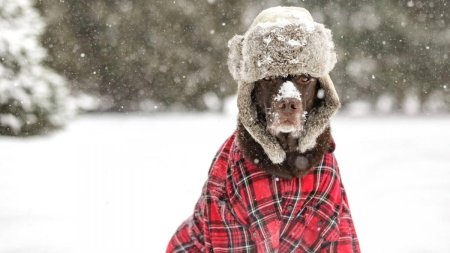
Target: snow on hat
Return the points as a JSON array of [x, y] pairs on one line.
[[279, 42], [283, 41]]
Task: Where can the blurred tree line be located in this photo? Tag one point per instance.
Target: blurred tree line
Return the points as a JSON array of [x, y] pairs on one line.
[[163, 55]]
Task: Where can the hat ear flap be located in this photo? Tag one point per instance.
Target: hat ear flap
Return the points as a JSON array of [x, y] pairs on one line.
[[247, 110], [235, 56], [319, 117]]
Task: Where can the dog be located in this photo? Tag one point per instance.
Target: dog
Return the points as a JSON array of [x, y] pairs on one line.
[[244, 209], [274, 185]]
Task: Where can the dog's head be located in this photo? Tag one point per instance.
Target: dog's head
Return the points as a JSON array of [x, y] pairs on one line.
[[283, 103], [283, 41], [291, 110]]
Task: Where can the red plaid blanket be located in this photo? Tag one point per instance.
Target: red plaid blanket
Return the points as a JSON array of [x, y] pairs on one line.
[[244, 209]]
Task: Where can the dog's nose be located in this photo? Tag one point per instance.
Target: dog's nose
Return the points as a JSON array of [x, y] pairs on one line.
[[289, 105]]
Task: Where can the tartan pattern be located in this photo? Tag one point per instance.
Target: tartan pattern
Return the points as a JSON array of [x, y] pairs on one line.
[[244, 209]]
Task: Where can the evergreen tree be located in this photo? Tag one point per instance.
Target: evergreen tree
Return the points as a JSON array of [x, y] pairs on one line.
[[33, 98]]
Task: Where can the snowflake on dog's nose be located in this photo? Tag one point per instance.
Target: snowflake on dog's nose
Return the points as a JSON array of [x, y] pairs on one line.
[[288, 90]]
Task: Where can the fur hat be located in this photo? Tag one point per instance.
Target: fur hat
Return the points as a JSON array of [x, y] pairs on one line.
[[283, 41]]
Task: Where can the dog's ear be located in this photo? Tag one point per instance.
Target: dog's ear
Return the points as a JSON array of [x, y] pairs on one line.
[[258, 102]]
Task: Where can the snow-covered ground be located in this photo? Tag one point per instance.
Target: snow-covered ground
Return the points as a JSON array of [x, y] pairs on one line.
[[123, 183]]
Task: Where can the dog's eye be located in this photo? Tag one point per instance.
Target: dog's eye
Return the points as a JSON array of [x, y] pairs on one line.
[[303, 78], [267, 78]]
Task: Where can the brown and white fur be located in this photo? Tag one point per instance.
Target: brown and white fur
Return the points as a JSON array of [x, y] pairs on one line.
[[282, 105]]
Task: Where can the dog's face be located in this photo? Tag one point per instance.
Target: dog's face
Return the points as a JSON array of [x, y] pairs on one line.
[[283, 102]]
